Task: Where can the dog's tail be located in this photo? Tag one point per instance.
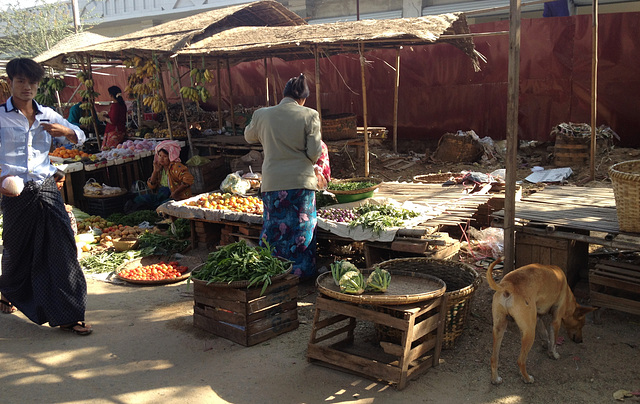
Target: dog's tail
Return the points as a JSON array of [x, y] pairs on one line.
[[492, 283]]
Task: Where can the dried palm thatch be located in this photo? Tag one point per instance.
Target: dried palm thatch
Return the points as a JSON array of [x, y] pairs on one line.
[[175, 35], [73, 41], [250, 43]]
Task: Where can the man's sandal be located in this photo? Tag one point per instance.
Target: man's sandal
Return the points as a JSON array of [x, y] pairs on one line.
[[72, 328], [6, 307]]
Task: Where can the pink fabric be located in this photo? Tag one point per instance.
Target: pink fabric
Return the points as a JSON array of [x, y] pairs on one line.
[[172, 147], [323, 162]]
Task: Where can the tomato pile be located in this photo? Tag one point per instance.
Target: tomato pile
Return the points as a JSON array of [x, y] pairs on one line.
[[155, 272], [226, 201]]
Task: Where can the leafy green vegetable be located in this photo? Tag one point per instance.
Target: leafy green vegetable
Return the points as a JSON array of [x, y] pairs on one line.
[[135, 218], [349, 185], [239, 262], [109, 261], [352, 283], [181, 228], [380, 217], [162, 244]]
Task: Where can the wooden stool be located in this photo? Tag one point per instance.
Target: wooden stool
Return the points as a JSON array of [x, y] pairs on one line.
[[419, 327]]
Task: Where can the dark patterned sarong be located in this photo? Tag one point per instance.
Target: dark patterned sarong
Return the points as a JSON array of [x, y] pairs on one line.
[[289, 224], [41, 275]]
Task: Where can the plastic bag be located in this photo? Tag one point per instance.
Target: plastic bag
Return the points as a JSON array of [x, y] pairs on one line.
[[140, 188], [492, 239], [196, 161], [235, 184]]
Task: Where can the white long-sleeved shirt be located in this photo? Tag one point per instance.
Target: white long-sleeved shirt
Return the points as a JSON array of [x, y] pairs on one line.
[[24, 150]]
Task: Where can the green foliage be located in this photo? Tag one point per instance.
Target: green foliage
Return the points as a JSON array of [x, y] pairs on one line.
[[135, 218], [378, 280], [31, 31], [47, 91], [352, 283]]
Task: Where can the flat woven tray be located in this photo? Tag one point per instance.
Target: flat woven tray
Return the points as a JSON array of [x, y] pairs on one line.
[[405, 288], [106, 196], [356, 191], [189, 262]]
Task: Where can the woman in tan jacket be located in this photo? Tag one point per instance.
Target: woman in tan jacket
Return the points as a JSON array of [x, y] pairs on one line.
[[290, 136]]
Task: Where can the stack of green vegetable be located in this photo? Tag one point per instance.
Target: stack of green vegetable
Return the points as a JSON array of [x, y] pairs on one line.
[[161, 244], [381, 217], [240, 262], [109, 261], [135, 218], [351, 281]]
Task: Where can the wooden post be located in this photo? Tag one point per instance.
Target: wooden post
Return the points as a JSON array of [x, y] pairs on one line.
[[233, 115], [317, 71], [273, 87], [163, 93], [184, 108], [364, 111], [395, 102], [594, 89], [512, 135], [266, 81], [94, 115], [220, 124]]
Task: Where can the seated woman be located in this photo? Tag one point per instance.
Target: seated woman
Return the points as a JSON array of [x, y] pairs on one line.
[[172, 178]]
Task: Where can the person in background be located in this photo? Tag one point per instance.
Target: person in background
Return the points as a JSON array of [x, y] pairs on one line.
[[41, 275], [59, 176], [116, 119], [75, 113], [323, 169], [290, 136], [169, 172]]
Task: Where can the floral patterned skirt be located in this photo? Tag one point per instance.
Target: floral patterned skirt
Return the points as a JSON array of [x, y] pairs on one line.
[[289, 224]]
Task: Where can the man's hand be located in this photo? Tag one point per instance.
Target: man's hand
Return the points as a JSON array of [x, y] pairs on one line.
[[58, 130]]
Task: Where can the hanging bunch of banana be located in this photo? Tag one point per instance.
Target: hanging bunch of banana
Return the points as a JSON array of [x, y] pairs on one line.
[[155, 102], [196, 93], [200, 75], [90, 94], [47, 89]]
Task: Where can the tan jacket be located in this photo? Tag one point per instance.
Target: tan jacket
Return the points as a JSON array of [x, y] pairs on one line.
[[290, 136]]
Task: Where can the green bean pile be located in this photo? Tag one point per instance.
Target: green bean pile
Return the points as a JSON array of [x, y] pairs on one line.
[[239, 262]]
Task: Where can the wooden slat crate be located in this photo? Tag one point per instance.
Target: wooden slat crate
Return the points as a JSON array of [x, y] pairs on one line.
[[242, 315], [570, 255], [232, 233], [615, 285], [421, 326]]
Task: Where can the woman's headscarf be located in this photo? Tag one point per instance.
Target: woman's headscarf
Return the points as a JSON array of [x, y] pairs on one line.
[[172, 147]]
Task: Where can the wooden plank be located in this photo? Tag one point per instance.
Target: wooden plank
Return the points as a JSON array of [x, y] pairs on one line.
[[229, 332], [361, 366], [425, 327], [272, 322], [597, 280], [348, 328], [318, 324], [229, 305], [278, 308], [220, 315], [361, 313], [272, 299], [422, 349], [630, 275], [626, 265], [272, 332], [409, 246], [598, 299]]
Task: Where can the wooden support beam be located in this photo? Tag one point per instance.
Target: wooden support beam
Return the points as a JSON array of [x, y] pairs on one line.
[[364, 111], [184, 108]]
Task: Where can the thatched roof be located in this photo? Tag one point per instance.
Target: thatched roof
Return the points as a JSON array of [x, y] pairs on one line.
[[250, 43], [73, 41], [175, 35]]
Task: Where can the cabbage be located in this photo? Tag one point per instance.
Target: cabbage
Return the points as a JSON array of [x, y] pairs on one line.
[[339, 268], [352, 283], [378, 280]]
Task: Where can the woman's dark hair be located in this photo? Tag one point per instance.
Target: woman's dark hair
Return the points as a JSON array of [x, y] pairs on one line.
[[116, 93], [58, 175], [26, 67], [297, 88]]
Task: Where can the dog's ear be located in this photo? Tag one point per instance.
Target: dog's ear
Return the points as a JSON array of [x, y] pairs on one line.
[[583, 310]]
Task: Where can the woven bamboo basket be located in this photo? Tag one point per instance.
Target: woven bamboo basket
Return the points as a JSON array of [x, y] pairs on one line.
[[461, 280], [437, 178], [339, 127], [625, 178]]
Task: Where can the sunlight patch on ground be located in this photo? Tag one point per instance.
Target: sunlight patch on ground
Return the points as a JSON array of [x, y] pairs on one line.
[[171, 395], [121, 369], [510, 400], [60, 358]]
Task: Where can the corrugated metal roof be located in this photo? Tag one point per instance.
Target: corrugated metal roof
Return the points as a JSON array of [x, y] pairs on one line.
[[383, 15], [478, 5]]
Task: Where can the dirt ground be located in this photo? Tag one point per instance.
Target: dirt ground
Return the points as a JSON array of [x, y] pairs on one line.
[[145, 349]]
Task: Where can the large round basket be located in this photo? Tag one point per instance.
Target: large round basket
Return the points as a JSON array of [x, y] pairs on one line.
[[404, 288], [189, 262], [461, 279], [625, 178], [355, 194]]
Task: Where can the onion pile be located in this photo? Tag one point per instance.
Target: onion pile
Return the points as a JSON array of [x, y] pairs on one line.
[[338, 215]]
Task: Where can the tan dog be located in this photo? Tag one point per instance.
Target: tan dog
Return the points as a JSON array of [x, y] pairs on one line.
[[524, 294]]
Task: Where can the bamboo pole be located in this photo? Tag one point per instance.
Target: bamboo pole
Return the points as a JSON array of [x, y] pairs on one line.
[[512, 135], [184, 108], [317, 72], [594, 89], [395, 102], [163, 93], [266, 81], [364, 111], [273, 87], [233, 115], [220, 125]]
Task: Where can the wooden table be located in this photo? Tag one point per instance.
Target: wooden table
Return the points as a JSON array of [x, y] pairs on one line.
[[420, 327]]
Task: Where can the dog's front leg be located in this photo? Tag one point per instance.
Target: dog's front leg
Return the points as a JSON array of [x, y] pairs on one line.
[[554, 329]]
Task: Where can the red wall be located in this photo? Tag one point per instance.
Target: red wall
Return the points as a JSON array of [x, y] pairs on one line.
[[440, 92]]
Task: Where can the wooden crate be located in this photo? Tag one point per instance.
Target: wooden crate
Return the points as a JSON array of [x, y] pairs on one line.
[[233, 232], [244, 316], [432, 247], [615, 285], [570, 255], [208, 177], [421, 326]]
